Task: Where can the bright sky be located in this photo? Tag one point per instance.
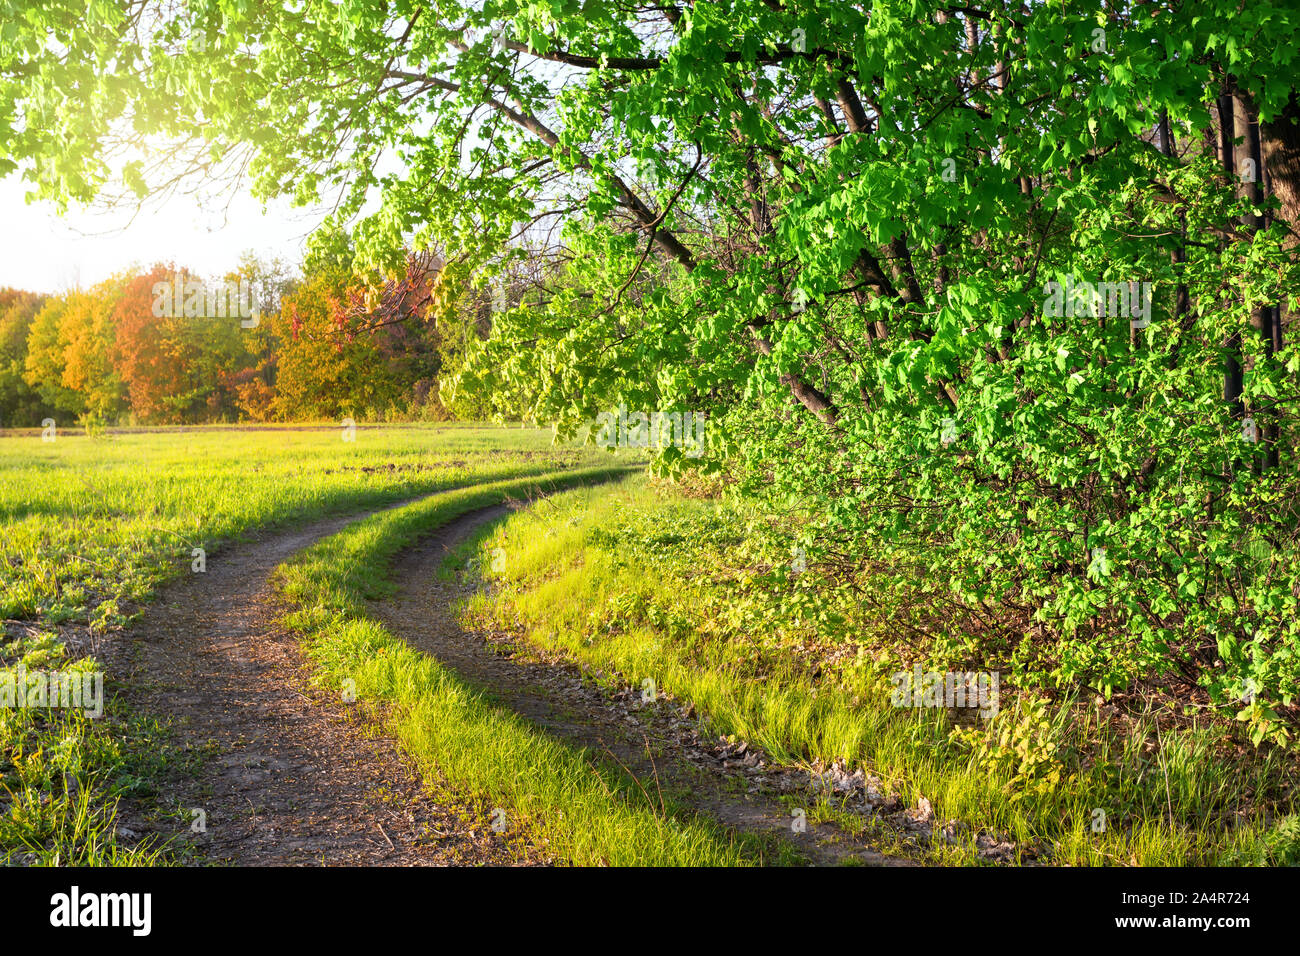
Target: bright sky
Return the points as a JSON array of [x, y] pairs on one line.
[[40, 252]]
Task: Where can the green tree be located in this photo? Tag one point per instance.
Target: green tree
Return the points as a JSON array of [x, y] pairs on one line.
[[20, 404], [834, 228]]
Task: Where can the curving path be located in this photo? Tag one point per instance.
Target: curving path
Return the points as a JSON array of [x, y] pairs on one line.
[[290, 775]]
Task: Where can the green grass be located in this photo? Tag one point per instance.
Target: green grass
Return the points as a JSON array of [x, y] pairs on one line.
[[64, 771], [699, 596], [585, 811], [91, 525]]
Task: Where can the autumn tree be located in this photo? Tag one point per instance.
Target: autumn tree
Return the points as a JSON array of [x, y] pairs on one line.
[[345, 350], [70, 352]]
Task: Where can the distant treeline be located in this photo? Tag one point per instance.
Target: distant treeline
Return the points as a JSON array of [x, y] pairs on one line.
[[163, 346]]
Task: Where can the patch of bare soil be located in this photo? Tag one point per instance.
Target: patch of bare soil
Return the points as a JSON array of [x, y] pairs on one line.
[[669, 752], [290, 775]]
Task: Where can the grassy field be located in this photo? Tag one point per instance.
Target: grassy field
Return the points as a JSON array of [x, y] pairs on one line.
[[707, 599], [91, 525]]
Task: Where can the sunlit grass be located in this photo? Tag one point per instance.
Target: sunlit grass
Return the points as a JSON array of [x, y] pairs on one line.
[[621, 579]]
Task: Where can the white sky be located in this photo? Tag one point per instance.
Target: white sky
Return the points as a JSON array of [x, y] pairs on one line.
[[40, 252]]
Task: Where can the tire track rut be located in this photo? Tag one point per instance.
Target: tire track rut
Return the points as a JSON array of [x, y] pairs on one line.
[[553, 694], [290, 775]]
